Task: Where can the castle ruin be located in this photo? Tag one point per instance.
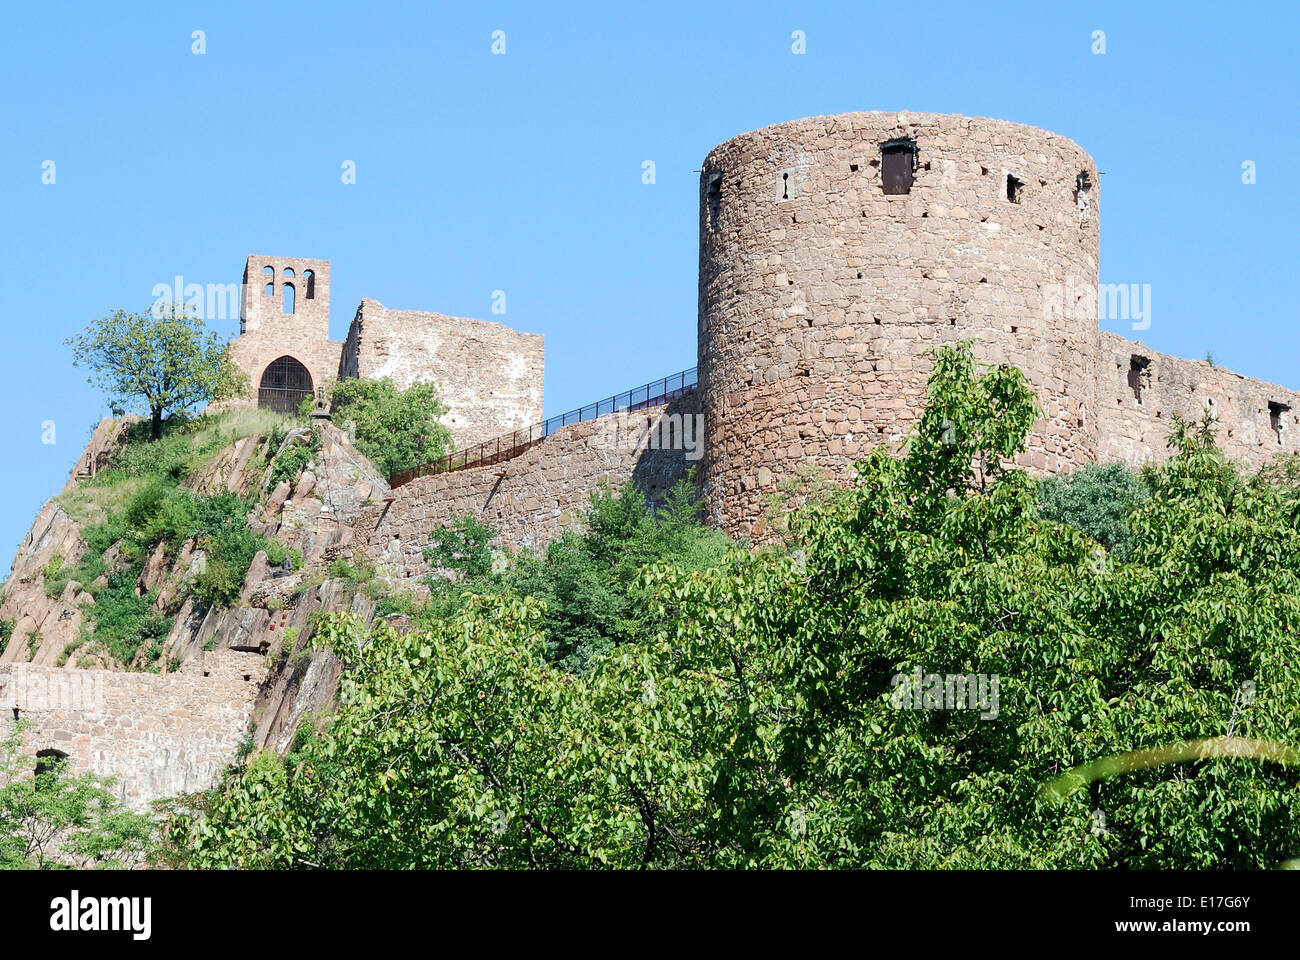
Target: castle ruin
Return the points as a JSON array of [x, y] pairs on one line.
[[835, 252]]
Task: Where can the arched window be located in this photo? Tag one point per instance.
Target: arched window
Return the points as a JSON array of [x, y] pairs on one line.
[[49, 761], [310, 277], [287, 304], [287, 272], [269, 291], [285, 384], [268, 271]]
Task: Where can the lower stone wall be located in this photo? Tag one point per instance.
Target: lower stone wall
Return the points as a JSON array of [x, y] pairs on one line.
[[1139, 391], [533, 497], [156, 735]]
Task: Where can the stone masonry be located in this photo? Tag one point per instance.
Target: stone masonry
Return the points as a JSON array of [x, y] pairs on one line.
[[534, 497], [489, 376], [157, 736], [836, 252]]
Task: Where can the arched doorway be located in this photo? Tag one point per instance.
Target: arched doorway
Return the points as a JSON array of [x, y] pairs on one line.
[[285, 384]]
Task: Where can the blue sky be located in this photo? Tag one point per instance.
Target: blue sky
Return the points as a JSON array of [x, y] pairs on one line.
[[522, 172]]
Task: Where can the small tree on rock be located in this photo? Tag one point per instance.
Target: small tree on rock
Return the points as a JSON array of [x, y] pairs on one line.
[[165, 361]]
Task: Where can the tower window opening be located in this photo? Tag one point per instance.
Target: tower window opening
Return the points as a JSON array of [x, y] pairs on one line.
[[269, 291], [1277, 420], [715, 198], [1139, 376], [310, 277], [286, 305], [898, 165], [785, 186], [287, 272], [1014, 187], [268, 271]]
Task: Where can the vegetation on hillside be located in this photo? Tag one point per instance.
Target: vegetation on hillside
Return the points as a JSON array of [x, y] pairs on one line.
[[396, 429], [140, 504], [644, 696]]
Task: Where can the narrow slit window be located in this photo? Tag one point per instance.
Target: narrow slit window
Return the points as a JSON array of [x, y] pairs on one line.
[[1139, 376], [1014, 187], [897, 166], [1277, 420], [715, 198], [1083, 196], [286, 305], [310, 277]]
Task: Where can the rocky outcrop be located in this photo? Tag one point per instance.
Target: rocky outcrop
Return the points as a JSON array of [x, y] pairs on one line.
[[177, 729]]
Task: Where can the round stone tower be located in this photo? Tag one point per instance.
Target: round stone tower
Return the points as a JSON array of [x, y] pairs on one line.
[[835, 251]]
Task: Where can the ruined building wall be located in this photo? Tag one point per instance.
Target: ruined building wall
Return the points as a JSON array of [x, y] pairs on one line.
[[1140, 391], [158, 736], [267, 333], [533, 497], [819, 293], [489, 376]]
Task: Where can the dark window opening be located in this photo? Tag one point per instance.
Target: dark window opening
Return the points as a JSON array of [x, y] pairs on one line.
[[785, 186], [1014, 186], [310, 277], [898, 164], [285, 384], [715, 198], [1139, 376], [49, 761], [1277, 420]]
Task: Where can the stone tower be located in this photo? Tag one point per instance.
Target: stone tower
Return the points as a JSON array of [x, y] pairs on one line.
[[284, 322], [835, 251]]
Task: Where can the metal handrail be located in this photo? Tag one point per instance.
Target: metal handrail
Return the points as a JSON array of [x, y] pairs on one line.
[[510, 445]]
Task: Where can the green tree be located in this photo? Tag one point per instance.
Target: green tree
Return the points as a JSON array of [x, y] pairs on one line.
[[56, 820], [166, 360], [1096, 500], [397, 429], [757, 722]]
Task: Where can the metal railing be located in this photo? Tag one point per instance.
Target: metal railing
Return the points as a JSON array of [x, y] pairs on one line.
[[511, 445]]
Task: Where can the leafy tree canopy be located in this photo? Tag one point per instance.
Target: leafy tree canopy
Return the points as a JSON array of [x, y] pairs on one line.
[[397, 429], [756, 721], [166, 361]]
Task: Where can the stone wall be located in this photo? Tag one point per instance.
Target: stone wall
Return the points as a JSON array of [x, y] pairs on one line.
[[534, 496], [157, 735], [1140, 391], [489, 376], [267, 333], [819, 294]]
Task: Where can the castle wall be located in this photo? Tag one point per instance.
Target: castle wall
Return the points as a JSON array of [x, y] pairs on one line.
[[157, 735], [489, 376], [1133, 430], [533, 497], [820, 294]]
